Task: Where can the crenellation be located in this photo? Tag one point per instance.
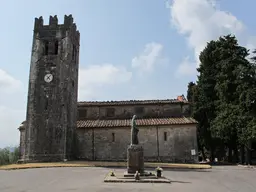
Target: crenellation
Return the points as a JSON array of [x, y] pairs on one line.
[[39, 23], [53, 21], [74, 28], [53, 28], [68, 21]]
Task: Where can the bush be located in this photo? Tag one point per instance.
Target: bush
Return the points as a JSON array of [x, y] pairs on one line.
[[9, 155]]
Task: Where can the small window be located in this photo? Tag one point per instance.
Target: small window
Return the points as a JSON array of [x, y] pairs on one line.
[[73, 83], [56, 47], [82, 114], [139, 110], [110, 112], [113, 137], [165, 136], [46, 47], [46, 105]]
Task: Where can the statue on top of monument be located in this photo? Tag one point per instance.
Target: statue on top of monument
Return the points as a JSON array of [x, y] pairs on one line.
[[134, 132]]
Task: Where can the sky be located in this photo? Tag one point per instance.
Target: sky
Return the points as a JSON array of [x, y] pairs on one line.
[[129, 49]]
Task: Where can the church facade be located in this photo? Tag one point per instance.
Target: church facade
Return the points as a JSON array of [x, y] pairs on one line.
[[58, 127], [166, 132]]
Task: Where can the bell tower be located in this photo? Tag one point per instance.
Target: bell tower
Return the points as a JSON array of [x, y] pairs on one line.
[[52, 91]]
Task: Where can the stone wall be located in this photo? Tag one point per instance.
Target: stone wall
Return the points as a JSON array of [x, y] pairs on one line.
[[99, 144], [22, 144], [180, 140], [127, 111]]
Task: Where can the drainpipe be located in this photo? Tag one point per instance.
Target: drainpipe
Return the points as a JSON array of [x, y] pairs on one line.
[[157, 143], [65, 141], [93, 147]]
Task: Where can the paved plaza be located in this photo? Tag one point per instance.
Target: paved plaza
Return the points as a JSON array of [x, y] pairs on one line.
[[82, 179]]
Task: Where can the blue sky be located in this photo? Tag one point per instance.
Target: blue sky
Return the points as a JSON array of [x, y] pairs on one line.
[[130, 49]]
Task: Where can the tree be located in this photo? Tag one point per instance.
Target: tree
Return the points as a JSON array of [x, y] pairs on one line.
[[204, 108], [192, 97], [232, 86], [8, 156], [247, 88], [224, 101]]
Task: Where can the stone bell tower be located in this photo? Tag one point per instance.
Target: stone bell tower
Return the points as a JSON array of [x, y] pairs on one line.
[[52, 91]]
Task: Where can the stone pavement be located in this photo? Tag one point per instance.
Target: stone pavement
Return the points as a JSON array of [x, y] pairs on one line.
[[81, 179]]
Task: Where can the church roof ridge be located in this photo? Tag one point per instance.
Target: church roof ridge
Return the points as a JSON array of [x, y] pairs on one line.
[[132, 102]]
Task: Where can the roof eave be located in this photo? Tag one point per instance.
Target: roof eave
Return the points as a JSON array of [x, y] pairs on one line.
[[86, 127]]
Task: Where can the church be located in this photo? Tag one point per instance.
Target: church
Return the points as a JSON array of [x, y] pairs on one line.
[[59, 128]]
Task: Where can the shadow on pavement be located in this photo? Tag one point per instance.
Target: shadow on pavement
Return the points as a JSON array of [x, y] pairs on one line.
[[188, 170], [180, 181]]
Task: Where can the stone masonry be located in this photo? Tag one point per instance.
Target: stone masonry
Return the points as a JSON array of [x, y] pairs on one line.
[[52, 95], [97, 143], [167, 133]]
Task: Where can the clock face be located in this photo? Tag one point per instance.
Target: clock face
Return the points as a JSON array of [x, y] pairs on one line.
[[48, 78]]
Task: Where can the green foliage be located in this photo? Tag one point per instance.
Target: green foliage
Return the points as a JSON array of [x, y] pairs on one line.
[[223, 98], [190, 92], [227, 123], [8, 156], [204, 109], [192, 96]]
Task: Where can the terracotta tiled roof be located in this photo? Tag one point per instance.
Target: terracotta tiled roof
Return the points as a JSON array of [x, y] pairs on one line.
[[139, 122], [130, 102], [181, 98]]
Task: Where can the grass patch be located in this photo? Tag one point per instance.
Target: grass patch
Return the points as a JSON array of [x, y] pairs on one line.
[[43, 165], [179, 165], [100, 164]]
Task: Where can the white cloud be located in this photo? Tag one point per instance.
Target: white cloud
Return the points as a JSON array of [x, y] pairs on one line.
[[92, 78], [150, 57], [10, 120], [8, 84], [201, 21], [186, 68], [251, 43]]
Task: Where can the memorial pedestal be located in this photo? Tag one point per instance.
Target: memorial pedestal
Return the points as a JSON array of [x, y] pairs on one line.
[[135, 159]]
